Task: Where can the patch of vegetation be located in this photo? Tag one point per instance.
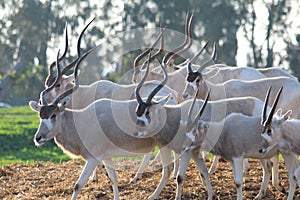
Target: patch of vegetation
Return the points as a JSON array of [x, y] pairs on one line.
[[17, 128]]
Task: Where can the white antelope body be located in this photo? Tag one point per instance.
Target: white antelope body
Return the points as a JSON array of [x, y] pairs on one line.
[[279, 131], [98, 132], [86, 94], [237, 137], [154, 118], [220, 73], [255, 88], [275, 71], [219, 77]]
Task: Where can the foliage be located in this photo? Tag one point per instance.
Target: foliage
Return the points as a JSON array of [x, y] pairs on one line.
[[293, 52], [17, 128], [275, 28], [33, 29]]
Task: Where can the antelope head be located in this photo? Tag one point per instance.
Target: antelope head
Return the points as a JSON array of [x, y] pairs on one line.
[[147, 111], [61, 81], [50, 114], [194, 78], [272, 124], [194, 130]]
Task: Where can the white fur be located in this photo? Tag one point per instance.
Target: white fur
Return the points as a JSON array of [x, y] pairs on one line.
[[193, 85], [48, 123], [144, 119], [267, 137]]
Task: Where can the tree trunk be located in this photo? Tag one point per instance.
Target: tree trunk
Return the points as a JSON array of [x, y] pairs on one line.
[[10, 78]]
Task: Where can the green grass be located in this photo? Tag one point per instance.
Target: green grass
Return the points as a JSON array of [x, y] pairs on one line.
[[17, 128]]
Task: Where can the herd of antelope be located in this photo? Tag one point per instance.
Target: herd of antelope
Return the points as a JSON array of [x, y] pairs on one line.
[[185, 109]]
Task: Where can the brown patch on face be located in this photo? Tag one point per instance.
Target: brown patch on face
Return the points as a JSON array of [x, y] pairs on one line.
[[47, 111]]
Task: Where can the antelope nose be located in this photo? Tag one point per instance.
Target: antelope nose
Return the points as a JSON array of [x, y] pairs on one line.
[[185, 96], [261, 151], [38, 138], [140, 123]]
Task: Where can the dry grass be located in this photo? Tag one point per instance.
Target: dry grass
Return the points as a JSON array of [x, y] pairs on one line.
[[55, 181]]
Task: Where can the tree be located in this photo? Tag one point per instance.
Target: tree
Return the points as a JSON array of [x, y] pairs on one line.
[[28, 28], [293, 52], [262, 41], [24, 39]]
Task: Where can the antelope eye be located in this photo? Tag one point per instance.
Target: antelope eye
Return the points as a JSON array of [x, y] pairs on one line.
[[269, 132], [57, 86], [53, 116]]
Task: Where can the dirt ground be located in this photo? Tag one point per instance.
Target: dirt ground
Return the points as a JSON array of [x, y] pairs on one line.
[[55, 181]]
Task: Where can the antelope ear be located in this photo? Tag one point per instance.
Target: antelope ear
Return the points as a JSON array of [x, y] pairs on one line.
[[286, 116], [279, 112], [171, 64], [164, 100], [206, 126], [34, 106], [64, 103]]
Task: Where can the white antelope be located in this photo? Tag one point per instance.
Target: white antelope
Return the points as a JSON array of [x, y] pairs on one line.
[[154, 118], [234, 138], [177, 77], [282, 132], [275, 71], [98, 132], [219, 73], [255, 88], [86, 94], [215, 75]]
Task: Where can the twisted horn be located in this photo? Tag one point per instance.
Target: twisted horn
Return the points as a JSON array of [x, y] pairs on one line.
[[76, 85], [188, 41], [174, 51], [269, 120], [161, 85], [211, 60], [264, 113], [143, 54], [138, 87], [50, 68], [72, 64], [199, 114], [159, 50], [189, 119], [42, 94], [192, 60], [199, 52]]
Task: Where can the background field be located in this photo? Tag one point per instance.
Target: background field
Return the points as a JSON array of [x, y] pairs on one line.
[[17, 128]]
